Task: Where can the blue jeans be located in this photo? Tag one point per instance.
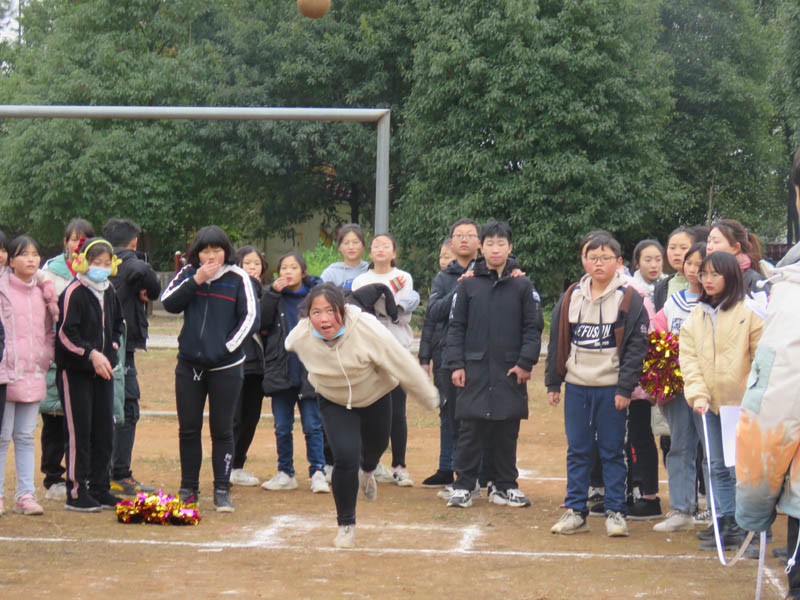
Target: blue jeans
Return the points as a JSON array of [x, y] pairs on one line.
[[590, 411], [682, 456], [447, 446], [723, 478], [283, 413]]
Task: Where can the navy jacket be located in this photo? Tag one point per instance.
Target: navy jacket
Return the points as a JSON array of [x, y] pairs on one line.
[[218, 316], [496, 323]]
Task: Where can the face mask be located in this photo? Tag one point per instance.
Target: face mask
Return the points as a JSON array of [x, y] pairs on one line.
[[98, 274], [322, 337]]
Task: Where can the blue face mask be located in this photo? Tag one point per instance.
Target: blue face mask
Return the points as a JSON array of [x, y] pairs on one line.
[[98, 274], [322, 337]]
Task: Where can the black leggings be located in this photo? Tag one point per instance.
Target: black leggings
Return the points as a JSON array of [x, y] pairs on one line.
[[357, 438], [399, 427], [192, 385], [248, 413], [644, 453]]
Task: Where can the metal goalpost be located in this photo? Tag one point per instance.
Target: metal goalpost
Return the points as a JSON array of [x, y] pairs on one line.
[[380, 116]]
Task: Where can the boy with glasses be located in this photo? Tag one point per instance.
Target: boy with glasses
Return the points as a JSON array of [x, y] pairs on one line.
[[598, 343]]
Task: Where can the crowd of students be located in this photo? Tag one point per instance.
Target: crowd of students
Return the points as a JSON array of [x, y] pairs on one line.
[[339, 349]]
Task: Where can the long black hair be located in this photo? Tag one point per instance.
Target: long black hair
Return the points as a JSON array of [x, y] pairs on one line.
[[210, 236], [726, 265]]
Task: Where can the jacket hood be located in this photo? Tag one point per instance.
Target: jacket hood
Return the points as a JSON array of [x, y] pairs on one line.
[[585, 287], [58, 265], [792, 256]]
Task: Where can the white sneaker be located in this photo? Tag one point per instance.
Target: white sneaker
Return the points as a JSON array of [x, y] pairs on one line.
[[328, 473], [243, 478], [615, 524], [445, 493], [57, 491], [401, 478], [675, 521], [383, 475], [346, 538], [460, 499], [367, 484], [281, 481], [318, 483], [569, 523]]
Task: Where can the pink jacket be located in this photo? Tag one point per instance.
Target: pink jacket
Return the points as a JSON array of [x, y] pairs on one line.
[[30, 336]]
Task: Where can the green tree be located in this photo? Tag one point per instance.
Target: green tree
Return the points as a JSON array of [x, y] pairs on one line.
[[109, 53], [546, 114], [720, 140]]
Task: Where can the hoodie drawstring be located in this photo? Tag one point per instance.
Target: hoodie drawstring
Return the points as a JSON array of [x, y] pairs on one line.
[[197, 376], [349, 387]]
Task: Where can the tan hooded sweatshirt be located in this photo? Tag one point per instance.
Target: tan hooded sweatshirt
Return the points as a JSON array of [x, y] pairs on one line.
[[593, 358], [362, 365]]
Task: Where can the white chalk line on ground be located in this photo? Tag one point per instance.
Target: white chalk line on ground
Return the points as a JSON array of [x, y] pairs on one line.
[[776, 581]]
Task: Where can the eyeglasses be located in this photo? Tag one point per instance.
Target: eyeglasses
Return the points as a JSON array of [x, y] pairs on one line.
[[599, 260], [464, 236], [709, 275]]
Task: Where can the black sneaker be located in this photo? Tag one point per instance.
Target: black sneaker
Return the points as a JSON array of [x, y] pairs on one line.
[[106, 499], [595, 496], [222, 501], [598, 510], [188, 496], [438, 479], [645, 510], [130, 487], [83, 503], [731, 535], [708, 532]]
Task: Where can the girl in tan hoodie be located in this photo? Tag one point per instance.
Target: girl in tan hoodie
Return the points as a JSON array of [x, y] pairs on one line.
[[717, 345], [354, 363]]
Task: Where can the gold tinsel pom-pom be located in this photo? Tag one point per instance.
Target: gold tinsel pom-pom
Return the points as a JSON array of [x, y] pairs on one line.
[[661, 373], [158, 508]]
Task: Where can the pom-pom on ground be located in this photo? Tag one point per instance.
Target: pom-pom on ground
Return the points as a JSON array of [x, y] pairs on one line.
[[314, 9], [160, 508]]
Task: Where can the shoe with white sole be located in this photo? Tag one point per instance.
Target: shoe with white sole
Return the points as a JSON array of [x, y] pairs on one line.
[[702, 518], [243, 478], [512, 497], [367, 484], [401, 477], [27, 505], [281, 481], [675, 521], [460, 499], [383, 475], [318, 483], [57, 491], [346, 537], [615, 524], [570, 522]]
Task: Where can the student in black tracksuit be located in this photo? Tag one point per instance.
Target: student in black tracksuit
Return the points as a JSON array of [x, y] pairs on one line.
[[220, 312], [135, 283], [248, 409], [87, 339], [493, 341]]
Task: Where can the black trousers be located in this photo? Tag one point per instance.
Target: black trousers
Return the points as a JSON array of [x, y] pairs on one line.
[[247, 416], [53, 444], [474, 437], [399, 427], [222, 388], [88, 402], [357, 438], [2, 402], [125, 432], [644, 453], [792, 526]]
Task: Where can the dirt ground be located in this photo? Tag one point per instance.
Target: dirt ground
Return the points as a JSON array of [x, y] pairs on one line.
[[278, 544]]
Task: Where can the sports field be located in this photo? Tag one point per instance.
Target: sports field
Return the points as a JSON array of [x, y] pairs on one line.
[[278, 544]]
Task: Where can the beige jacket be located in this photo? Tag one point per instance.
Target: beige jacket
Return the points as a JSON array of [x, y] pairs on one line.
[[716, 349], [364, 364]]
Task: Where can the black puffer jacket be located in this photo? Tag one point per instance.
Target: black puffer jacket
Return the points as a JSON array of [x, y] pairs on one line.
[[276, 357], [496, 323], [133, 275]]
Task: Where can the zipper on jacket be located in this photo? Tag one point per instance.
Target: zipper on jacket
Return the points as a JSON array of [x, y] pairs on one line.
[[205, 313]]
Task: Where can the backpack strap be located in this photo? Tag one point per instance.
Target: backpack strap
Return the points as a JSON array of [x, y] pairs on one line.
[[564, 332]]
